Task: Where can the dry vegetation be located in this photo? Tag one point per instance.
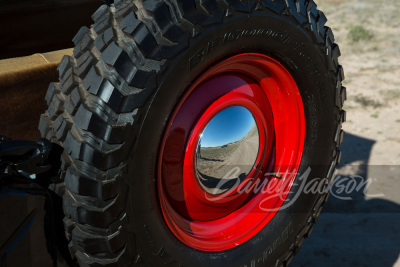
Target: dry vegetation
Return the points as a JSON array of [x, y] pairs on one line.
[[368, 33]]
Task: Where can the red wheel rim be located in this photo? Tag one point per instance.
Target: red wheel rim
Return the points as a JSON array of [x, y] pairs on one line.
[[218, 222]]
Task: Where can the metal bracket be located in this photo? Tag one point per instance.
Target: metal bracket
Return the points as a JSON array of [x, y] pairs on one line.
[[28, 159]]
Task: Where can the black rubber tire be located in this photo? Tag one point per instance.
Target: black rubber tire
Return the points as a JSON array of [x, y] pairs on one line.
[[116, 93]]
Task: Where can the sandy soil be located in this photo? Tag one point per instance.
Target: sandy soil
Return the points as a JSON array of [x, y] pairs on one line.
[[364, 231], [372, 69]]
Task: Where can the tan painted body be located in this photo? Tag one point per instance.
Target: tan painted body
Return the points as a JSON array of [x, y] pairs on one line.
[[23, 85]]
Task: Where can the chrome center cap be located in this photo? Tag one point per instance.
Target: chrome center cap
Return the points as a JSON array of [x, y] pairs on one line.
[[227, 150]]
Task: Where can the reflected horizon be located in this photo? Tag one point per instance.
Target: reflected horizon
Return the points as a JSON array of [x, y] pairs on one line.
[[228, 126], [227, 149]]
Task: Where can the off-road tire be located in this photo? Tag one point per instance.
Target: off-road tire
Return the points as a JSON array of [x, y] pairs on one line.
[[115, 95]]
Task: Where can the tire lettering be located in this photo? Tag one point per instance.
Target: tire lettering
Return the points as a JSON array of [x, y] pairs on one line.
[[213, 44], [267, 252], [237, 34], [139, 260], [197, 58], [163, 253]]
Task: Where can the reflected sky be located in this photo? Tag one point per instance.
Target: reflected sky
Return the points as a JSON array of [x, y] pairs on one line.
[[228, 126]]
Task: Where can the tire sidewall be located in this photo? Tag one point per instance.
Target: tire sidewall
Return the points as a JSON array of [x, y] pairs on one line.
[[294, 47]]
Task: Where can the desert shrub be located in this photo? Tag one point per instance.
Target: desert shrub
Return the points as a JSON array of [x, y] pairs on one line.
[[359, 33]]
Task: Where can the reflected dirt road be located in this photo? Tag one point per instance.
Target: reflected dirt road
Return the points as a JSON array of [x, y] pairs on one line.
[[231, 161]]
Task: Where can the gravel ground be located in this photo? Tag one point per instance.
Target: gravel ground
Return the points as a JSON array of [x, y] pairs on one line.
[[364, 231]]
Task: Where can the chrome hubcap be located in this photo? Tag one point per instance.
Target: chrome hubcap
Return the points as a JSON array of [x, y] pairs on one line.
[[227, 150]]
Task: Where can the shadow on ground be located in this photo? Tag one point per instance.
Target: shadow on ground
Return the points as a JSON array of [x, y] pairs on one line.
[[364, 231]]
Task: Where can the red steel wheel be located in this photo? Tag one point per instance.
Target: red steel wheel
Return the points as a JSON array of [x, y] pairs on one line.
[[210, 222], [190, 129]]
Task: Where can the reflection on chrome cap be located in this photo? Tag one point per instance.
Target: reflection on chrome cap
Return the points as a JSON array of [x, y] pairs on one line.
[[227, 150]]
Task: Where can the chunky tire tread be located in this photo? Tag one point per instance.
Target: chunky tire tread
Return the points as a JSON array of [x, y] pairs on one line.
[[102, 92]]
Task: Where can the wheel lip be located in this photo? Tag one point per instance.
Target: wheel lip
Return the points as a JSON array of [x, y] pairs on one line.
[[206, 236]]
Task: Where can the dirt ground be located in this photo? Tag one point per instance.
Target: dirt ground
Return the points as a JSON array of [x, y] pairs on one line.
[[364, 231]]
